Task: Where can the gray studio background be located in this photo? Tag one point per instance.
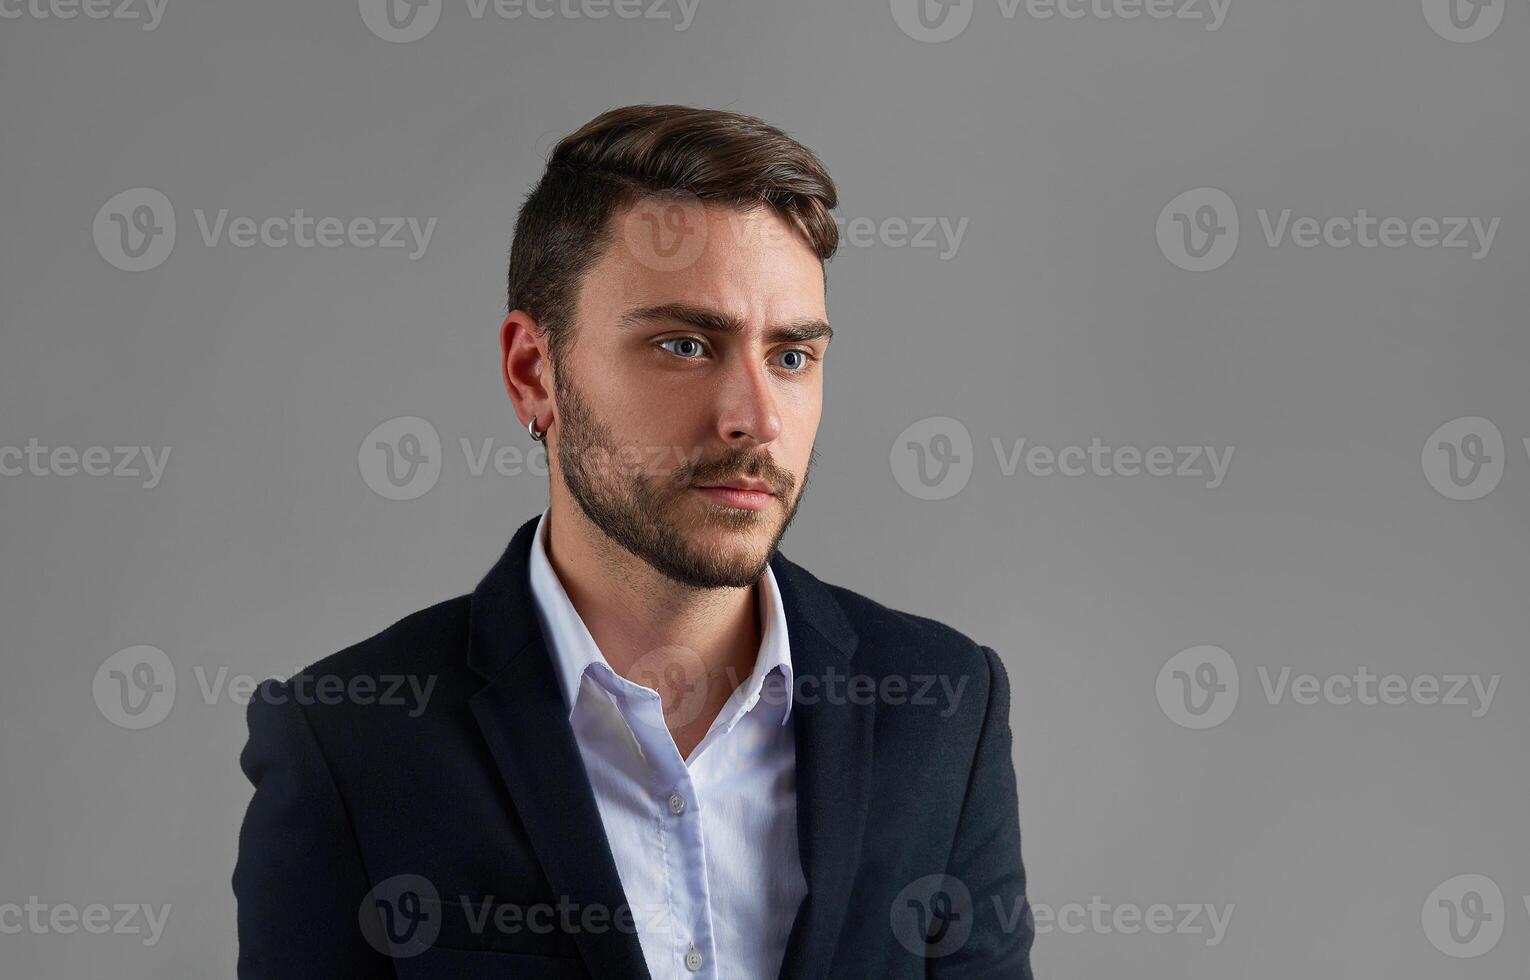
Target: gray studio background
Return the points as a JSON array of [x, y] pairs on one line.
[[1331, 838]]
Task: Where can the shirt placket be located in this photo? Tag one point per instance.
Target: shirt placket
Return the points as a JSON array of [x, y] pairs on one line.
[[677, 812]]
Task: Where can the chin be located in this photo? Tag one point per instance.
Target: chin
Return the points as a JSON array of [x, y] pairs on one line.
[[739, 535], [735, 522]]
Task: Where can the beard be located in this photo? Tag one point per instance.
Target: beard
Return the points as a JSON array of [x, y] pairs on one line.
[[649, 516]]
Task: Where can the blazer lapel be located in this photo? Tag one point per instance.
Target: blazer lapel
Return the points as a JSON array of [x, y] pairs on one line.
[[833, 739], [525, 723]]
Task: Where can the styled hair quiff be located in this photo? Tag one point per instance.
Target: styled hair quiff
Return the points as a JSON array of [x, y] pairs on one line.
[[638, 151]]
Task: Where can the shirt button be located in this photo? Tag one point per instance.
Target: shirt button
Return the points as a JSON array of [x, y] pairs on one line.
[[677, 807], [693, 959]]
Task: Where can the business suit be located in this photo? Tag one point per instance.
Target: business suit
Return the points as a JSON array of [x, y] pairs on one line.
[[480, 791]]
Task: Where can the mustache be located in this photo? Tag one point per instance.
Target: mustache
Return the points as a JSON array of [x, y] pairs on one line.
[[737, 465]]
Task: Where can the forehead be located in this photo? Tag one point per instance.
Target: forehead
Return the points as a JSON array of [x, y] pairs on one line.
[[753, 265]]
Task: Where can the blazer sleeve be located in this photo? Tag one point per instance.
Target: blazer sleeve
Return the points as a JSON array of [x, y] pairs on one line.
[[986, 855], [298, 880]]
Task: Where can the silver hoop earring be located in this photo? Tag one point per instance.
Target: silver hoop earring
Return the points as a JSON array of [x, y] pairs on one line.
[[532, 428]]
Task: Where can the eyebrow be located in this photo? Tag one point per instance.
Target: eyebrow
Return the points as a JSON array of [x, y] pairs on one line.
[[716, 321]]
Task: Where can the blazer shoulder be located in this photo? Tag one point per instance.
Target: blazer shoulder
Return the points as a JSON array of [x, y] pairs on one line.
[[427, 639], [927, 640], [892, 642]]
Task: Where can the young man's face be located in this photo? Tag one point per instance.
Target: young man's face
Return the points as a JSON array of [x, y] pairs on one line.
[[696, 361]]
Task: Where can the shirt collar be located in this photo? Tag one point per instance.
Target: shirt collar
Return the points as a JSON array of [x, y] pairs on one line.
[[574, 651]]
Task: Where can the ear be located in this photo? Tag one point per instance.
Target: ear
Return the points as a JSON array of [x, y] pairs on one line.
[[525, 368]]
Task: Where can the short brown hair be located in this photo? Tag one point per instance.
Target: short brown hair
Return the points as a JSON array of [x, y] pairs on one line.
[[637, 151]]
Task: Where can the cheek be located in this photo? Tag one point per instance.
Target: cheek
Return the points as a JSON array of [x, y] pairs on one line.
[[799, 429], [658, 421], [634, 405]]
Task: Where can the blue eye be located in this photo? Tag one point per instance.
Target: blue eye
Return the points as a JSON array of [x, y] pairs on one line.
[[801, 356], [695, 347]]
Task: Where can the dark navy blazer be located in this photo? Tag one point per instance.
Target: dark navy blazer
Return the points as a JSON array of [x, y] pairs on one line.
[[455, 835]]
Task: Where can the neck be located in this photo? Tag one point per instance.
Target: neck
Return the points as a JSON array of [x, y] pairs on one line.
[[631, 609]]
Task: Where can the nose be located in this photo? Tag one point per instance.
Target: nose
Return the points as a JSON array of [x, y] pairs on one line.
[[748, 413]]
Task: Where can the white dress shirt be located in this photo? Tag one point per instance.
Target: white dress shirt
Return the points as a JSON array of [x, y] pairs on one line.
[[706, 847]]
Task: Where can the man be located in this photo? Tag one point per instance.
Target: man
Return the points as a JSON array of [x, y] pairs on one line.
[[648, 745]]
